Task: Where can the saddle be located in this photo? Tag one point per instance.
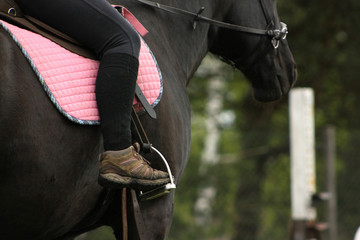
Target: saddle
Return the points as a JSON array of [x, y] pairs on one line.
[[11, 12]]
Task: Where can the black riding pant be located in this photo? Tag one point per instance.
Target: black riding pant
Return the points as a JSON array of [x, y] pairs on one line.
[[98, 26]]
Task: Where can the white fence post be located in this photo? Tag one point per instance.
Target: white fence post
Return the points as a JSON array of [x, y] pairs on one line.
[[302, 153]]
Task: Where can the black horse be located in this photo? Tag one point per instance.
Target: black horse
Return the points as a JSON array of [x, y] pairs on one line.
[[49, 165]]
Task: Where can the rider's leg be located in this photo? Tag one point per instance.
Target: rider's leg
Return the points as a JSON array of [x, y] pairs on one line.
[[97, 25]]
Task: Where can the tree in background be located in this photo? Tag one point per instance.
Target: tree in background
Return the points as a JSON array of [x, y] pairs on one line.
[[253, 195]]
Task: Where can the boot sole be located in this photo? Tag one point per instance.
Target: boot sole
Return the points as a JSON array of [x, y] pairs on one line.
[[114, 181]]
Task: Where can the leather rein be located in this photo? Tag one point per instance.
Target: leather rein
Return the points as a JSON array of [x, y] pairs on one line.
[[275, 34]]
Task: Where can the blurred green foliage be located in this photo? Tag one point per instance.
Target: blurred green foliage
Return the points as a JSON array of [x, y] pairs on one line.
[[253, 192]]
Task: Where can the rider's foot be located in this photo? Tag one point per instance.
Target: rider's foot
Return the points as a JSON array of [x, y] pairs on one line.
[[127, 168]]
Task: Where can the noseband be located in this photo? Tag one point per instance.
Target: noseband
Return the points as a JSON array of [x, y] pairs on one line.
[[275, 34]]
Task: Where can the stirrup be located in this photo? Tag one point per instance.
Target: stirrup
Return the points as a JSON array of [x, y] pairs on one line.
[[159, 191]]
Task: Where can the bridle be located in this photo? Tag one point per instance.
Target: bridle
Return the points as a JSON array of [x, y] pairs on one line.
[[275, 34]]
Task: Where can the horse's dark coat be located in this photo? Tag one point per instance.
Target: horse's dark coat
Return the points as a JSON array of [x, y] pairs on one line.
[[48, 173]]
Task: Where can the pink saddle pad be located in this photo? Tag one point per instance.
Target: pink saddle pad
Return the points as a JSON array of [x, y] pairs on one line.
[[69, 79]]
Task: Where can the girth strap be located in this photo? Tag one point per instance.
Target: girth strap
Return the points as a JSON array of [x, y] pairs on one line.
[[124, 214], [138, 217], [139, 221]]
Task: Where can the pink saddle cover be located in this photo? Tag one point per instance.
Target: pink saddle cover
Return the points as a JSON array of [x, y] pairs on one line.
[[69, 79]]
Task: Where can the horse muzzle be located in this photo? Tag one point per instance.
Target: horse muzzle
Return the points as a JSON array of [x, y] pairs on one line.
[[273, 83]]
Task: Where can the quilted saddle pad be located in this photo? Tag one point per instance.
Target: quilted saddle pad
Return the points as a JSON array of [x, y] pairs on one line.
[[69, 79]]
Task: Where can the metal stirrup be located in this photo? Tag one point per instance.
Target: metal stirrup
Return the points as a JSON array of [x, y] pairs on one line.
[[162, 190]]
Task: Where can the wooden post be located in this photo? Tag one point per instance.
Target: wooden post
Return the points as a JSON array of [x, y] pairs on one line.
[[302, 153], [331, 182]]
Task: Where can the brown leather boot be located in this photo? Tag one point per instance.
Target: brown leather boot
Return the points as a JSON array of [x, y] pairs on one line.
[[127, 168]]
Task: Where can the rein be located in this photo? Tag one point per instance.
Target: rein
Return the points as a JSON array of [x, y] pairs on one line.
[[275, 34]]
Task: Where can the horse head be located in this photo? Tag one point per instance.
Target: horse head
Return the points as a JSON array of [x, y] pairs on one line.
[[258, 47]]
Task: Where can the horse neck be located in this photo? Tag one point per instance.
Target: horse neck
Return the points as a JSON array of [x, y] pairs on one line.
[[172, 37]]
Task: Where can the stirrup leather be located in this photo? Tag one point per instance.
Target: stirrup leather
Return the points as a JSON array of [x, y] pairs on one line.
[[147, 147]]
